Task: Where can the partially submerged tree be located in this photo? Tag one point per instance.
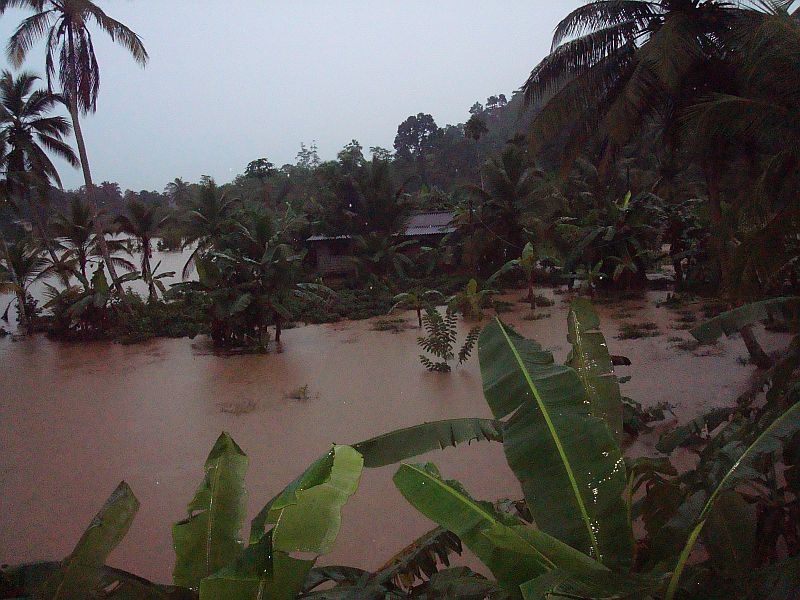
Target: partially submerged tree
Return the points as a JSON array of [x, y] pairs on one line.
[[143, 223]]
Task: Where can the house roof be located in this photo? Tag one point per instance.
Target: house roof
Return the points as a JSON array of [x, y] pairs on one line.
[[430, 223], [426, 223]]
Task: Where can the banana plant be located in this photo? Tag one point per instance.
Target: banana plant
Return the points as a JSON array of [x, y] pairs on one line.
[[594, 365], [470, 301], [287, 536], [416, 301], [527, 263], [742, 319], [81, 571], [560, 441], [741, 458], [591, 277], [566, 458]]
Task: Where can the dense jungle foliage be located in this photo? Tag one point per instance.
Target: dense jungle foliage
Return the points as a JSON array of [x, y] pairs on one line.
[[607, 165]]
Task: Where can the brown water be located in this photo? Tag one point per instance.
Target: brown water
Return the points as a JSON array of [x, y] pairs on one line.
[[76, 419]]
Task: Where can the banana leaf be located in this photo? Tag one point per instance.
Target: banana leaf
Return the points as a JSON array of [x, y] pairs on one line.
[[513, 552], [81, 573], [22, 581], [420, 559], [461, 583], [567, 460], [305, 518], [775, 582], [402, 444], [593, 363], [743, 457], [729, 536], [694, 430], [599, 586], [310, 520], [208, 539], [733, 320]]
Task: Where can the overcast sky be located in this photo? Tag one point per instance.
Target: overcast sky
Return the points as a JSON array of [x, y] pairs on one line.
[[232, 81]]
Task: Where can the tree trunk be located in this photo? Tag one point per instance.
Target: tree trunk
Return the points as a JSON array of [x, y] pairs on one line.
[[531, 296], [715, 215], [277, 328], [87, 177], [757, 354], [419, 317], [22, 308], [48, 245], [147, 273]]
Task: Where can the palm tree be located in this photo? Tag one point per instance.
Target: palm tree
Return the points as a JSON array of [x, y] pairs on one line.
[[614, 65], [143, 223], [179, 192], [378, 255], [75, 231], [209, 217], [381, 207], [506, 199], [475, 128], [65, 25], [28, 131], [20, 265], [763, 112]]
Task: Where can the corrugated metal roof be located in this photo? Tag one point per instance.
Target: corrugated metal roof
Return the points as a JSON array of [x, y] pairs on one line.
[[427, 223]]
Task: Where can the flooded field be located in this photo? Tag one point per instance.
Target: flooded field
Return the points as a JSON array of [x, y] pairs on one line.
[[76, 419]]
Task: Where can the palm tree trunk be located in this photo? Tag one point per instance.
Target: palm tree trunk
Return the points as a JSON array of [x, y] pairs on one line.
[[87, 177], [37, 220], [23, 313], [716, 246], [147, 273], [277, 328], [419, 316]]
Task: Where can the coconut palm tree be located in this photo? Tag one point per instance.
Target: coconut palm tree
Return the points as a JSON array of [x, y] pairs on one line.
[[381, 207], [209, 217], [613, 65], [143, 223], [29, 130], [763, 112], [505, 200], [376, 256], [75, 232], [179, 192], [66, 26], [20, 265]]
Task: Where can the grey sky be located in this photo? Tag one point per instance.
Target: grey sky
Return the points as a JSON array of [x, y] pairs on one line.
[[236, 80]]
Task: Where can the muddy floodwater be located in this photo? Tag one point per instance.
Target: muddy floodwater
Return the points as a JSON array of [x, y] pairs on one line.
[[77, 419]]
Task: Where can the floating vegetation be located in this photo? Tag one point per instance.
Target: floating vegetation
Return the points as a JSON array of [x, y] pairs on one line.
[[632, 331], [685, 345], [237, 409], [393, 324], [501, 306], [540, 299], [301, 393], [534, 316]]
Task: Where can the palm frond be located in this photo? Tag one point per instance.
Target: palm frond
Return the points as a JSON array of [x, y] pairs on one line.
[[606, 13]]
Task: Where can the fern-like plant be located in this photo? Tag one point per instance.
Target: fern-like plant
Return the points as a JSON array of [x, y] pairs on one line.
[[440, 340]]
